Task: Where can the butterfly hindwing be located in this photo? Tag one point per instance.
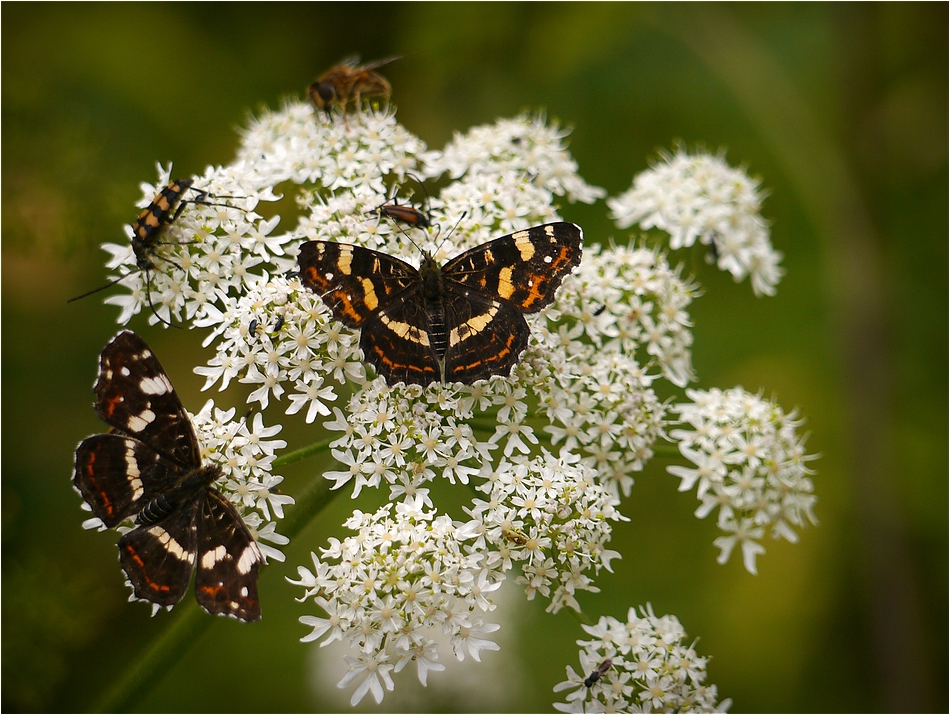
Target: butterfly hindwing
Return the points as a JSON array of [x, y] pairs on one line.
[[487, 339], [228, 561], [134, 395], [353, 281], [524, 268], [398, 343], [159, 558], [118, 475]]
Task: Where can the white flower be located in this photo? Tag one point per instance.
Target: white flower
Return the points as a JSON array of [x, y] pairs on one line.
[[642, 665], [749, 462], [700, 197], [405, 571]]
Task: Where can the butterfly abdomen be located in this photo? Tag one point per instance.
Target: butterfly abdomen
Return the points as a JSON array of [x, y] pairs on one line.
[[433, 290], [168, 502]]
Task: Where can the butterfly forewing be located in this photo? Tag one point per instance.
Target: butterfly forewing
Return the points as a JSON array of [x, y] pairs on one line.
[[134, 395], [159, 558], [228, 561], [118, 475], [524, 268], [353, 281]]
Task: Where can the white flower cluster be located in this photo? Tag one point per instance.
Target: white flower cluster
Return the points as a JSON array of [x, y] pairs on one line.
[[551, 517], [279, 333], [405, 572], [628, 300], [700, 197], [405, 437], [749, 463], [305, 147], [203, 257], [584, 386], [640, 666], [526, 146]]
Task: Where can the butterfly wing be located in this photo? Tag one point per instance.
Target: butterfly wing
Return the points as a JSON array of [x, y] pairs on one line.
[[228, 561], [118, 475], [135, 396], [487, 337], [523, 269], [397, 342], [158, 558], [353, 281]]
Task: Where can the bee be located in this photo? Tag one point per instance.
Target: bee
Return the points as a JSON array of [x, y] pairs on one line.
[[349, 81], [598, 673], [147, 231]]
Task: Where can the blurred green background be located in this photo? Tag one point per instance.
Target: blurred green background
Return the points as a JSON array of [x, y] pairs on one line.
[[842, 109]]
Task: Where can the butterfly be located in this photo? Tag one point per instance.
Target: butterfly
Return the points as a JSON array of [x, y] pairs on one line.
[[149, 467], [459, 322]]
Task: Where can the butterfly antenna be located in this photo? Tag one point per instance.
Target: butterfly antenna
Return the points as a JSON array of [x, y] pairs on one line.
[[408, 237]]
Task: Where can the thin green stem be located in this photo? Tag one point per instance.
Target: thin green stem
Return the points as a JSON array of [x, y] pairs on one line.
[[663, 449], [145, 672], [166, 649], [301, 454]]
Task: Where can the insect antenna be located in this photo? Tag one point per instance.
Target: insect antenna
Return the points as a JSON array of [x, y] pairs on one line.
[[449, 234], [148, 296]]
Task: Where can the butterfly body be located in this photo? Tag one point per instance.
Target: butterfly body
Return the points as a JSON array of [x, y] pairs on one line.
[[149, 468], [462, 321]]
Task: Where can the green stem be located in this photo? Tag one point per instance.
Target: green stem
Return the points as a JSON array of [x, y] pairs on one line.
[[301, 454], [664, 449], [145, 672], [192, 621]]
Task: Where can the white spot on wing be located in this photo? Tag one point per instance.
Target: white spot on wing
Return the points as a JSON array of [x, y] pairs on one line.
[[158, 385], [132, 471], [171, 546], [250, 556], [139, 422], [210, 558]]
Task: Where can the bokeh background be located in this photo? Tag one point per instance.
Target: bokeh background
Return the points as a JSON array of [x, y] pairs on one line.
[[842, 109]]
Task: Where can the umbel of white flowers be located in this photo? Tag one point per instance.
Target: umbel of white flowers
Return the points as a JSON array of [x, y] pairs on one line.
[[549, 450]]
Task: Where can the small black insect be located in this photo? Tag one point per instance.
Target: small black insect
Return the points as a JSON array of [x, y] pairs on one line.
[[598, 673]]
